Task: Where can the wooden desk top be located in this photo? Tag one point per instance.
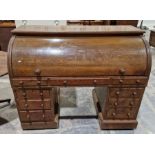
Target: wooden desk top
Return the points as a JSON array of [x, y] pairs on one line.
[[3, 63], [80, 29]]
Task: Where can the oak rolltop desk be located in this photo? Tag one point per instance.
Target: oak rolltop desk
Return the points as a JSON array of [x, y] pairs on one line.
[[113, 59]]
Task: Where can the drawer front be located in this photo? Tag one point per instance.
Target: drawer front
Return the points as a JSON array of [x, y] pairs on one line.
[[126, 92], [33, 94], [37, 115], [76, 81], [123, 102], [121, 113], [35, 104]]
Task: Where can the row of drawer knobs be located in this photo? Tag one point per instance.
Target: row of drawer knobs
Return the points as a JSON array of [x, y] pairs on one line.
[[26, 105], [28, 116], [128, 114], [116, 104], [118, 93], [65, 82]]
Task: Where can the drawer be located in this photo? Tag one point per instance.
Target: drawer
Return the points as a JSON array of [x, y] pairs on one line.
[[91, 81], [33, 93], [35, 104], [123, 102], [37, 115], [126, 92], [121, 113]]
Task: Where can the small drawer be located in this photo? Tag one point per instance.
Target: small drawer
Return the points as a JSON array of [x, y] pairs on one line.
[[123, 102], [126, 92], [37, 115], [35, 104], [33, 94], [121, 113]]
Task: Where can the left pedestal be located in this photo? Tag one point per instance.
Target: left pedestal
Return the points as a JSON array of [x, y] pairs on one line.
[[38, 108]]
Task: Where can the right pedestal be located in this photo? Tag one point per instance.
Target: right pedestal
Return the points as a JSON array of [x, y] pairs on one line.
[[117, 107]]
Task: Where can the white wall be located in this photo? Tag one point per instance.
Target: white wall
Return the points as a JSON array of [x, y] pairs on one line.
[[148, 23], [40, 22]]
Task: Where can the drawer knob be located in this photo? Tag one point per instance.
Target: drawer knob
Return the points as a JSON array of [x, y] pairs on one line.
[[42, 105], [115, 103], [95, 81], [129, 114], [37, 71], [138, 81], [26, 105], [24, 94], [21, 82], [131, 103], [38, 82], [28, 116], [122, 71], [134, 93], [121, 81], [41, 94], [65, 82], [117, 93], [43, 115], [114, 114]]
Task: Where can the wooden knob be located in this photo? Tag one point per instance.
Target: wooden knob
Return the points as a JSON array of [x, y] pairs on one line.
[[134, 93], [131, 103], [38, 82], [129, 114], [28, 116], [41, 94], [117, 93], [65, 82], [37, 71], [114, 114], [21, 82], [122, 71], [137, 81], [26, 105], [24, 94], [95, 81], [121, 81], [42, 105], [115, 104], [43, 116]]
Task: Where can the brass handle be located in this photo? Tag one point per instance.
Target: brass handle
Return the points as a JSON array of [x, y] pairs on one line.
[[37, 71]]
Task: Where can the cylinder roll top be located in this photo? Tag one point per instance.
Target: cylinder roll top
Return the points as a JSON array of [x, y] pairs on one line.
[[76, 52]]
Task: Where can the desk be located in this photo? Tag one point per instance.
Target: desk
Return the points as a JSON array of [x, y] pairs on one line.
[[113, 59]]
